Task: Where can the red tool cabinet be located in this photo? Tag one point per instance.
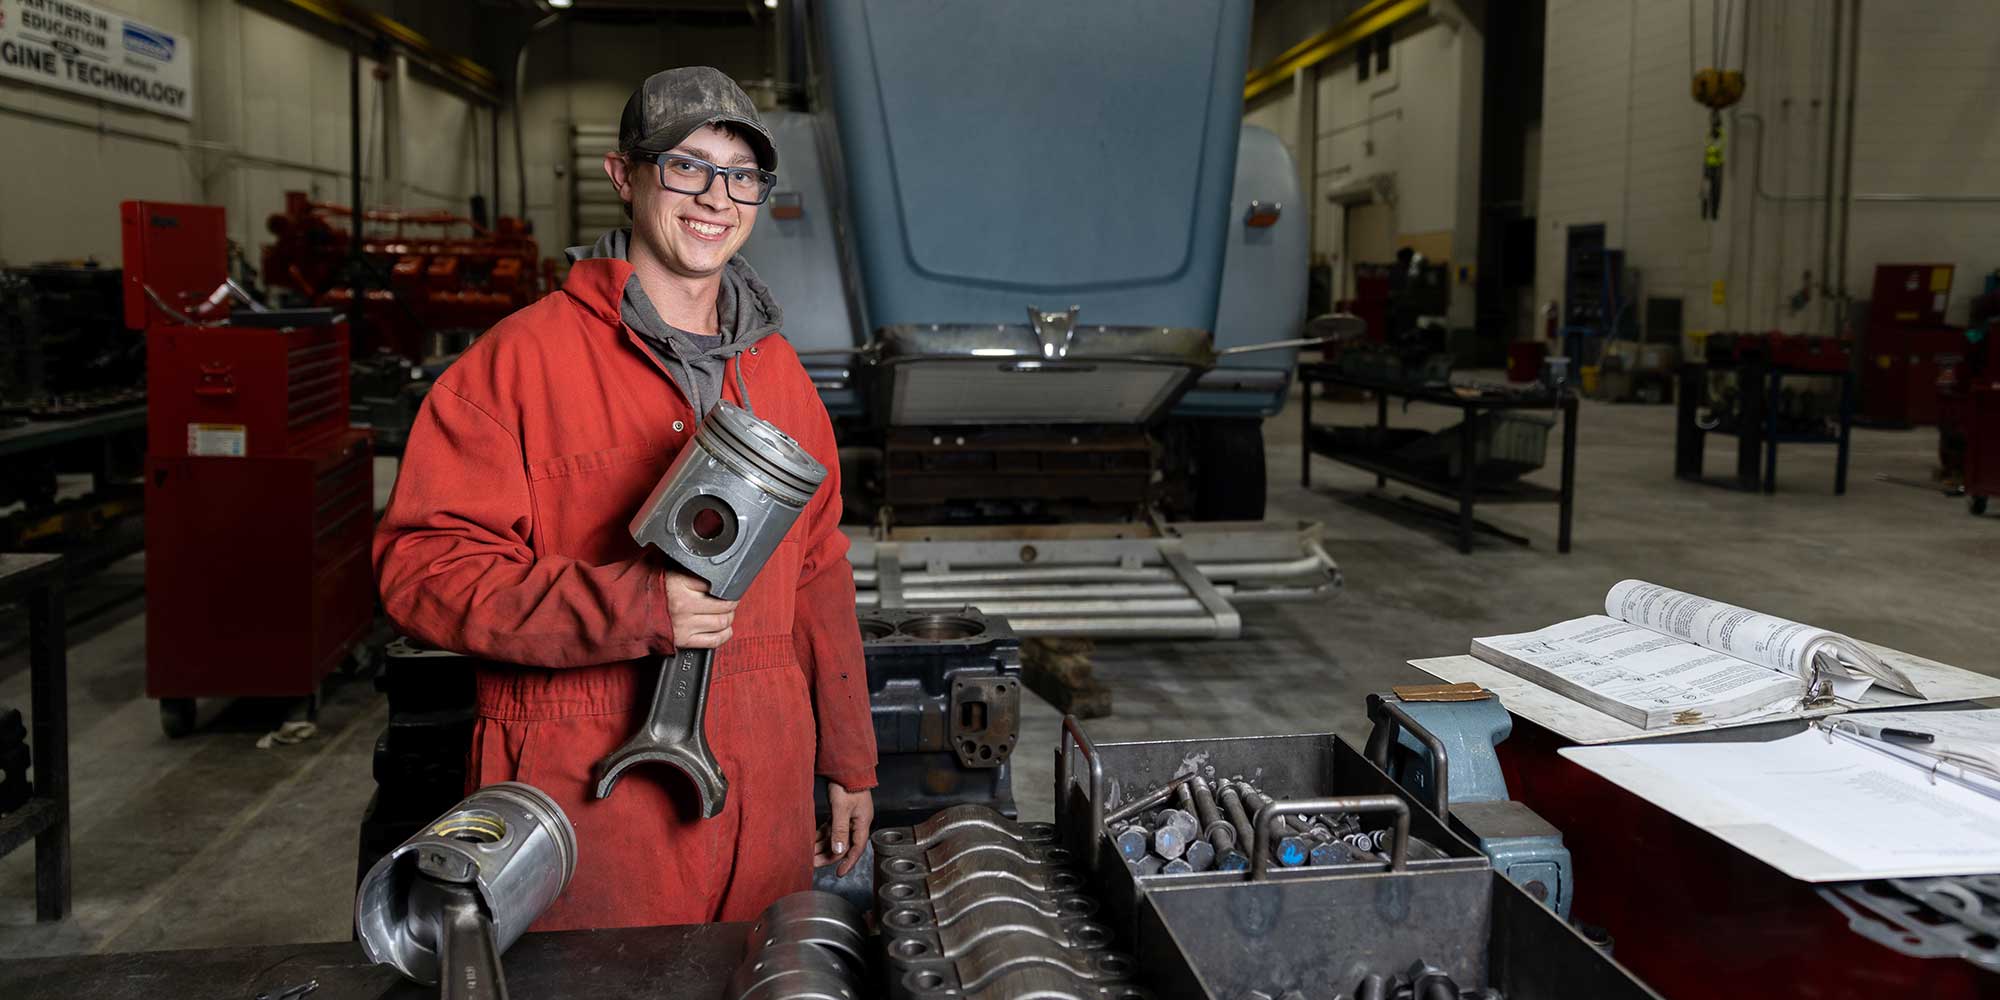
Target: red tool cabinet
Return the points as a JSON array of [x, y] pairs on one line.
[[257, 575], [1982, 445], [259, 502], [1899, 379], [1908, 344]]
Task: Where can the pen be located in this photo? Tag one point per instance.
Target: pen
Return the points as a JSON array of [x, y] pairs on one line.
[[1905, 736]]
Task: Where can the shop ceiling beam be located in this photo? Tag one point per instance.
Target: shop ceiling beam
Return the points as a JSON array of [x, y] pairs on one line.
[[377, 28], [1371, 18]]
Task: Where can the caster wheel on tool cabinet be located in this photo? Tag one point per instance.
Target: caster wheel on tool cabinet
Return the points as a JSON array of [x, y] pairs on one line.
[[1977, 505], [177, 716]]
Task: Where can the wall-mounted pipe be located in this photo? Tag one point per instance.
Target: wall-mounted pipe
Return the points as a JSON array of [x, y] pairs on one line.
[[224, 150], [1832, 120], [1866, 197], [356, 322], [1847, 161], [520, 151]]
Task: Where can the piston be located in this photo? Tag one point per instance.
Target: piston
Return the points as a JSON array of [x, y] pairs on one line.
[[464, 889], [728, 499], [722, 508]]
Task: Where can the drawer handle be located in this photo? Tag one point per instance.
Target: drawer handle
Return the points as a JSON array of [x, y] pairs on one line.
[[216, 379]]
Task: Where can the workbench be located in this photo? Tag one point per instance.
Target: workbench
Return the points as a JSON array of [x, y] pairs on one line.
[[38, 434], [1696, 918], [691, 962], [1467, 490], [37, 581], [1760, 387], [113, 465]]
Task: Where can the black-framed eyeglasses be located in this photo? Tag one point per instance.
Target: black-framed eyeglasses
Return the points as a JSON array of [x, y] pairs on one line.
[[691, 175]]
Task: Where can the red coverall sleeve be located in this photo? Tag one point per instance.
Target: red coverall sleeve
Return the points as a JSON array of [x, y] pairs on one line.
[[827, 637], [455, 567]]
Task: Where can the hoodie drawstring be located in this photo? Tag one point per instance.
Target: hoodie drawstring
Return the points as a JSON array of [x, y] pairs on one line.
[[742, 387], [693, 387]]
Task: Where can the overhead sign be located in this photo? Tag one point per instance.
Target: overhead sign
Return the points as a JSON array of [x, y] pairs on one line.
[[88, 50]]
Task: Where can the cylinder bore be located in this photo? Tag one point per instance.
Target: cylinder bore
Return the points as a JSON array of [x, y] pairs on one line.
[[941, 627], [875, 628]]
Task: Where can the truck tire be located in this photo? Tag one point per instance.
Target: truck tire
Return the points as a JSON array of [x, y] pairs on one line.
[[1228, 470]]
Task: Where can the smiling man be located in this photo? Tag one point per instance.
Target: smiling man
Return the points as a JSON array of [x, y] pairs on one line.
[[506, 539]]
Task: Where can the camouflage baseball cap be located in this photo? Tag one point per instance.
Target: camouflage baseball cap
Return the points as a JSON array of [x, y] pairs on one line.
[[672, 104]]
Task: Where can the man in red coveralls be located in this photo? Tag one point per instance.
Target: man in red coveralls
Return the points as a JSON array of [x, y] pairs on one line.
[[506, 539]]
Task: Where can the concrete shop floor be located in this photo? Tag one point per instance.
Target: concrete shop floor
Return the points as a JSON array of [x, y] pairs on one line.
[[208, 841]]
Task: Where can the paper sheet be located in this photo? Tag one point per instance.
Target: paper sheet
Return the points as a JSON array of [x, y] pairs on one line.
[[1816, 808], [1580, 723], [1979, 726], [1965, 745]]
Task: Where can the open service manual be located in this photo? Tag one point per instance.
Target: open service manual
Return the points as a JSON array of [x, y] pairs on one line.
[[1660, 657]]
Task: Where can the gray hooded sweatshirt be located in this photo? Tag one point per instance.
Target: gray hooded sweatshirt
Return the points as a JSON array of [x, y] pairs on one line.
[[744, 314]]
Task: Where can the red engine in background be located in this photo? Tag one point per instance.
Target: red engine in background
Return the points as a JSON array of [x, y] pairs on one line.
[[441, 289]]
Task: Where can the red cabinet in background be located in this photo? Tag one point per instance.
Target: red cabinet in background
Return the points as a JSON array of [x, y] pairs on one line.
[[259, 496], [1900, 371]]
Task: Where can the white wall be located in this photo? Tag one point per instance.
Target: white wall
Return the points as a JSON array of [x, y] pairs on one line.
[[1416, 124], [1622, 144], [1925, 124], [271, 115], [60, 183]]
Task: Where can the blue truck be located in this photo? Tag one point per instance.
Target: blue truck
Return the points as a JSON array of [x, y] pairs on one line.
[[1018, 244]]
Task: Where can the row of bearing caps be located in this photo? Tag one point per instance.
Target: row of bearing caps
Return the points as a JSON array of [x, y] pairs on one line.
[[975, 906], [806, 946]]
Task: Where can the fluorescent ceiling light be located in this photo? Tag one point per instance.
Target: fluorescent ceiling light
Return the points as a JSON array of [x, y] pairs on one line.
[[560, 4]]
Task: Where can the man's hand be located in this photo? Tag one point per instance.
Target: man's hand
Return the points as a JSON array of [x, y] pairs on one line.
[[700, 621], [846, 829]]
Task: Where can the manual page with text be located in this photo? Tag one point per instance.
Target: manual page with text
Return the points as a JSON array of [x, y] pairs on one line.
[[1660, 657]]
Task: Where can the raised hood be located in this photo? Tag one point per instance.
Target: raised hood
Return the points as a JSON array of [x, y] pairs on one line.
[[1041, 153]]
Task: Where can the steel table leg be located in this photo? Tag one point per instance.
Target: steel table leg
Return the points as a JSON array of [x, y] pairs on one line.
[[49, 687], [1382, 428], [1846, 425], [1689, 438], [1305, 430], [1749, 425], [1568, 502], [1774, 384], [1466, 480]]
